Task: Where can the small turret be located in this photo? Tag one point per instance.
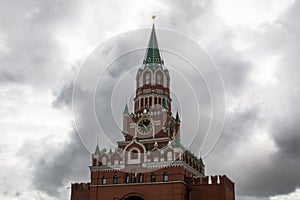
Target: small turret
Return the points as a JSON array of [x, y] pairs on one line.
[[97, 150], [177, 119], [126, 109]]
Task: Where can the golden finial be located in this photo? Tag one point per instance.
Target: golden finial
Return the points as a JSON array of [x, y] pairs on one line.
[[153, 17]]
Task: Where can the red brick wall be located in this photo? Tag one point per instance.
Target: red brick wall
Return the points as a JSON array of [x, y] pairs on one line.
[[155, 191], [80, 191]]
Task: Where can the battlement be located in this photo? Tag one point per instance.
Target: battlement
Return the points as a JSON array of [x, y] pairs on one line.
[[81, 186], [211, 180], [80, 191]]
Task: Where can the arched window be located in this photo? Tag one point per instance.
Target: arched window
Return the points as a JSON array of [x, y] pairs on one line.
[[103, 180], [150, 101], [142, 102], [104, 160], [127, 178], [169, 156], [155, 100], [140, 177], [147, 78], [153, 177], [133, 176], [115, 180], [134, 154], [166, 177], [158, 79]]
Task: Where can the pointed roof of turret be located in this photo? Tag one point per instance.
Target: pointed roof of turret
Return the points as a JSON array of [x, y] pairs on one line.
[[152, 53], [97, 150], [125, 109], [201, 162], [177, 119]]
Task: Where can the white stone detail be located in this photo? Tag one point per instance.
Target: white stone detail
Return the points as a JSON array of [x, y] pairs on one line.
[[132, 125]]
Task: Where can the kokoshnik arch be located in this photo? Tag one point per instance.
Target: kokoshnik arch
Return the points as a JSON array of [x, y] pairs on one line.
[[151, 163]]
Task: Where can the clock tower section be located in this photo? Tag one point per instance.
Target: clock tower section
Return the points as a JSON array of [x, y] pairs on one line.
[[151, 121]]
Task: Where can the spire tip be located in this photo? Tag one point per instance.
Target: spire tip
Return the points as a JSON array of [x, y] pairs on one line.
[[153, 18]]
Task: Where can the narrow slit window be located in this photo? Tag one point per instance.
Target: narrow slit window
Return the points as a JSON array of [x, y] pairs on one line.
[[147, 79], [158, 79]]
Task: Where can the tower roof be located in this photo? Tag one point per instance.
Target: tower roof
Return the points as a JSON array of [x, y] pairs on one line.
[[97, 150], [125, 109], [177, 119], [152, 53]]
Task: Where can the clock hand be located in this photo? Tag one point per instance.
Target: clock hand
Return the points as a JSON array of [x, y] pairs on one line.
[[145, 127]]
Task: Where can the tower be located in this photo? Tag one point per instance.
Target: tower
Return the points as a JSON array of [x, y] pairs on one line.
[[152, 117], [151, 163]]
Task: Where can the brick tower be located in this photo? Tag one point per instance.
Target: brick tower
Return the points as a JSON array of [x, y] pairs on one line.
[[150, 163]]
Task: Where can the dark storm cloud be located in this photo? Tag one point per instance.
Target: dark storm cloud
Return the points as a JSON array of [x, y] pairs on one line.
[[285, 127], [56, 167], [278, 173]]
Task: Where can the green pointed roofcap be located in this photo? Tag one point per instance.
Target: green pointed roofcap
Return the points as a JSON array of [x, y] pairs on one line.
[[97, 150], [177, 119], [152, 52], [125, 109]]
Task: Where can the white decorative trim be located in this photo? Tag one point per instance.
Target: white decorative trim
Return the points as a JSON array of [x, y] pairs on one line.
[[132, 125], [143, 183], [157, 122], [134, 161]]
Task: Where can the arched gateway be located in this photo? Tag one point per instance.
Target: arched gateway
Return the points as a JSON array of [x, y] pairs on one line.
[[134, 198]]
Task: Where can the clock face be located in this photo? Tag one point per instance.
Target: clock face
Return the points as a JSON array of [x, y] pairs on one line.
[[144, 126]]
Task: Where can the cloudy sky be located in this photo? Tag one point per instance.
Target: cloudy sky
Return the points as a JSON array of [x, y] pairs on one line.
[[45, 44]]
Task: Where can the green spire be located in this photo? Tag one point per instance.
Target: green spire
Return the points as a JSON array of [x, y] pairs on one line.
[[152, 53], [97, 150], [126, 109], [165, 105], [177, 119], [201, 162]]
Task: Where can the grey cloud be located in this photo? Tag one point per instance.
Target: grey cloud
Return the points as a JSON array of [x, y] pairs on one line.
[[204, 26], [66, 165], [28, 30], [34, 58], [234, 69], [278, 174], [64, 96]]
